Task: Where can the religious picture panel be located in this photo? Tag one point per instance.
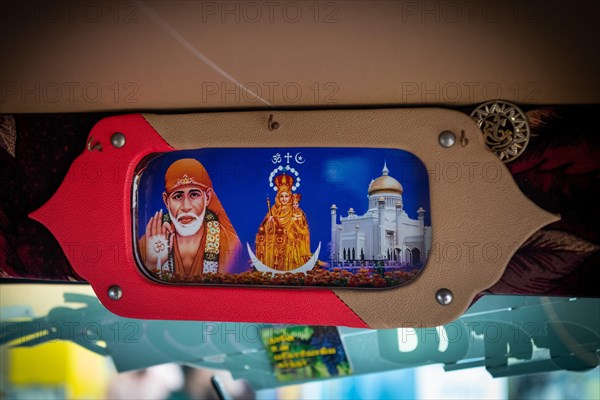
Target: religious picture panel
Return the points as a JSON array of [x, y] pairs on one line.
[[315, 217]]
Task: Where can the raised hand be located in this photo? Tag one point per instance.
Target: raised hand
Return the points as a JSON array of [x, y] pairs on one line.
[[157, 245]]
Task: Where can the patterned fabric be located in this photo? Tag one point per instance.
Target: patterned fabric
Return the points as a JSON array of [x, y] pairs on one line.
[[45, 147], [8, 134], [559, 171]]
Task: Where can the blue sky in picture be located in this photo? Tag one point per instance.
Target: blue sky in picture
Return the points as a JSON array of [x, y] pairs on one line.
[[328, 176]]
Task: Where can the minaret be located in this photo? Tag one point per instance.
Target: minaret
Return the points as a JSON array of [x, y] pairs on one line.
[[381, 236], [421, 218], [398, 215], [333, 249]]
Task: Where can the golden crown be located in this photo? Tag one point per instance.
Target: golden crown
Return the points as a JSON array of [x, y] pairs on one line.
[[186, 180], [284, 181]]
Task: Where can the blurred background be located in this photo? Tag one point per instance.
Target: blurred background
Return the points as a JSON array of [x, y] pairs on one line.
[[61, 369]]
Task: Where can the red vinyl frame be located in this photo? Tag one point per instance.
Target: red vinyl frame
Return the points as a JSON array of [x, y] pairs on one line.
[[90, 216]]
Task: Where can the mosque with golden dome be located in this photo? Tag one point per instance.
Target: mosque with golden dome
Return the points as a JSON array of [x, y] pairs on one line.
[[385, 232]]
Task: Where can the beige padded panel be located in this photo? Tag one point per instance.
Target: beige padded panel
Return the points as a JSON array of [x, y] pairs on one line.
[[56, 55], [478, 220]]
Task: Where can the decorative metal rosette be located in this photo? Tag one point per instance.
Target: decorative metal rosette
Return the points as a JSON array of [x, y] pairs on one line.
[[505, 128], [287, 169]]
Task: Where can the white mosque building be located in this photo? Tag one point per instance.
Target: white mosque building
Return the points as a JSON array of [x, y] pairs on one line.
[[384, 232]]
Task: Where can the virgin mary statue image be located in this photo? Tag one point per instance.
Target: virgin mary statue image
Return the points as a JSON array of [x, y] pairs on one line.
[[283, 238]]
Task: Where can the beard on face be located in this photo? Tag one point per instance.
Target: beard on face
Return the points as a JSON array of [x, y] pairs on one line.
[[188, 229]]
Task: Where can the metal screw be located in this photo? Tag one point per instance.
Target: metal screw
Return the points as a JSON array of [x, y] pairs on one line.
[[447, 139], [115, 292], [118, 140], [444, 296]]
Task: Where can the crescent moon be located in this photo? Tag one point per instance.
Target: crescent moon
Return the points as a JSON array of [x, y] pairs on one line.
[[256, 263], [296, 158]]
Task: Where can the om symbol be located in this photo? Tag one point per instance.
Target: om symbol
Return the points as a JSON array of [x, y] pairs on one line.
[[159, 246], [276, 159]]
